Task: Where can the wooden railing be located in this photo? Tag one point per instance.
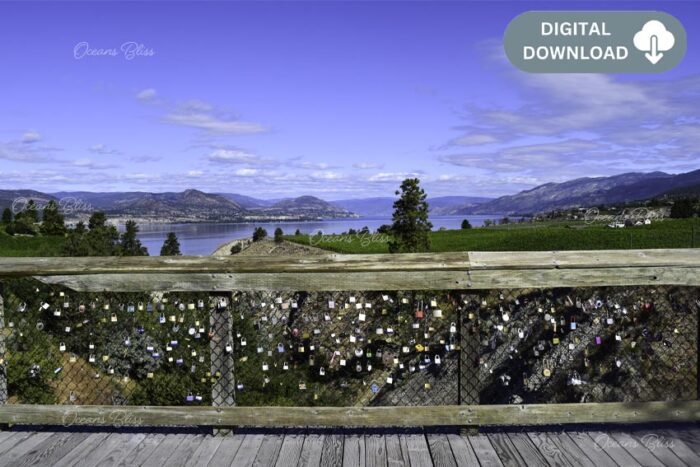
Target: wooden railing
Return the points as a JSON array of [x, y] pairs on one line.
[[471, 271]]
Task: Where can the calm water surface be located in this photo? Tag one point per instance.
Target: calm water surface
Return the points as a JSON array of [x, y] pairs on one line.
[[203, 239]]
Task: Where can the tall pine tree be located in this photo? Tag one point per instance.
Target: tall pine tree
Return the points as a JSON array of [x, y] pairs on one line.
[[171, 246], [411, 225]]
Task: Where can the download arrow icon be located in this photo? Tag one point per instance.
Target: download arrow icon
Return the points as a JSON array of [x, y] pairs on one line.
[[654, 55]]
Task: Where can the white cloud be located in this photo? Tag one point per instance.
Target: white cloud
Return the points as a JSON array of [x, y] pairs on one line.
[[146, 94], [102, 150], [396, 177], [247, 172], [326, 175], [194, 173], [31, 136], [208, 122], [236, 156], [367, 165]]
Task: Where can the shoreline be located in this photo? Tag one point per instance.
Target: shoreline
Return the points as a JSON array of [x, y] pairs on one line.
[[225, 248]]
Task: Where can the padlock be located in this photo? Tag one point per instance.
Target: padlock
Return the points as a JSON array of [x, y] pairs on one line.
[[130, 308], [437, 313], [280, 347], [420, 314], [62, 346], [229, 347], [322, 371], [437, 360]]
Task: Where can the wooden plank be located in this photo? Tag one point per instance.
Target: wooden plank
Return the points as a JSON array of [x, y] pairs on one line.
[[269, 450], [123, 444], [583, 258], [311, 451], [440, 450], [160, 455], [391, 280], [14, 438], [594, 452], [185, 449], [52, 449], [527, 450], [354, 451], [248, 450], [52, 266], [17, 267], [206, 450], [534, 414], [462, 450], [612, 448], [375, 450], [553, 455], [506, 450], [89, 452], [291, 449], [332, 450], [284, 281], [227, 450], [143, 450], [418, 451], [680, 447], [24, 445], [562, 442], [658, 447], [636, 449], [487, 455], [394, 454]]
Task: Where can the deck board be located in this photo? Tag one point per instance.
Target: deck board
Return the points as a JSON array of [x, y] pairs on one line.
[[354, 450], [142, 451], [375, 450], [506, 450], [418, 451], [269, 450], [332, 451], [394, 453], [637, 450], [315, 448], [291, 449], [485, 451], [440, 450]]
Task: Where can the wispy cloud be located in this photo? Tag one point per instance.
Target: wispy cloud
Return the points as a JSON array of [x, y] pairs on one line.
[[200, 115], [231, 155], [367, 165], [31, 136], [102, 150]]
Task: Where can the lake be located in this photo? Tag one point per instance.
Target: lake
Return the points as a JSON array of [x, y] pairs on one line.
[[203, 239]]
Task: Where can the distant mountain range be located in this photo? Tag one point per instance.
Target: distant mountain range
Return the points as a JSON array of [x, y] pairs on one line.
[[585, 192], [187, 206], [384, 206], [197, 206]]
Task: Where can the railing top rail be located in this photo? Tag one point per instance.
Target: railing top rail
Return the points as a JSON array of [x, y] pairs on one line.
[[336, 263]]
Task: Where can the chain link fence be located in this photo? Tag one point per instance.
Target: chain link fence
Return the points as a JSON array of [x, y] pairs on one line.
[[349, 348]]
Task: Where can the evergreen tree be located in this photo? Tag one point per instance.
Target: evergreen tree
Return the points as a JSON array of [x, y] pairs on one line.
[[682, 208], [259, 233], [411, 225], [53, 222], [297, 232], [279, 235], [6, 216], [171, 246], [29, 213], [129, 244], [236, 248], [466, 224]]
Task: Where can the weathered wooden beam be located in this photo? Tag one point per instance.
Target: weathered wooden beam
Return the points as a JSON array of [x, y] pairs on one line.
[[17, 267], [536, 414], [386, 280], [583, 259], [284, 281], [334, 263]]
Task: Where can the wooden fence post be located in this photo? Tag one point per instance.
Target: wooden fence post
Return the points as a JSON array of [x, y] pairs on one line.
[[222, 363]]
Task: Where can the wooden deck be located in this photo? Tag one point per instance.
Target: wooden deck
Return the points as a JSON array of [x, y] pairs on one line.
[[672, 445]]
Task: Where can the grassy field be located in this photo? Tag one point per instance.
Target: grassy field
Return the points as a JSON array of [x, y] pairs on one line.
[[29, 246], [670, 233]]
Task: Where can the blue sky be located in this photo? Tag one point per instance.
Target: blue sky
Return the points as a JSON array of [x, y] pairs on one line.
[[334, 99]]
